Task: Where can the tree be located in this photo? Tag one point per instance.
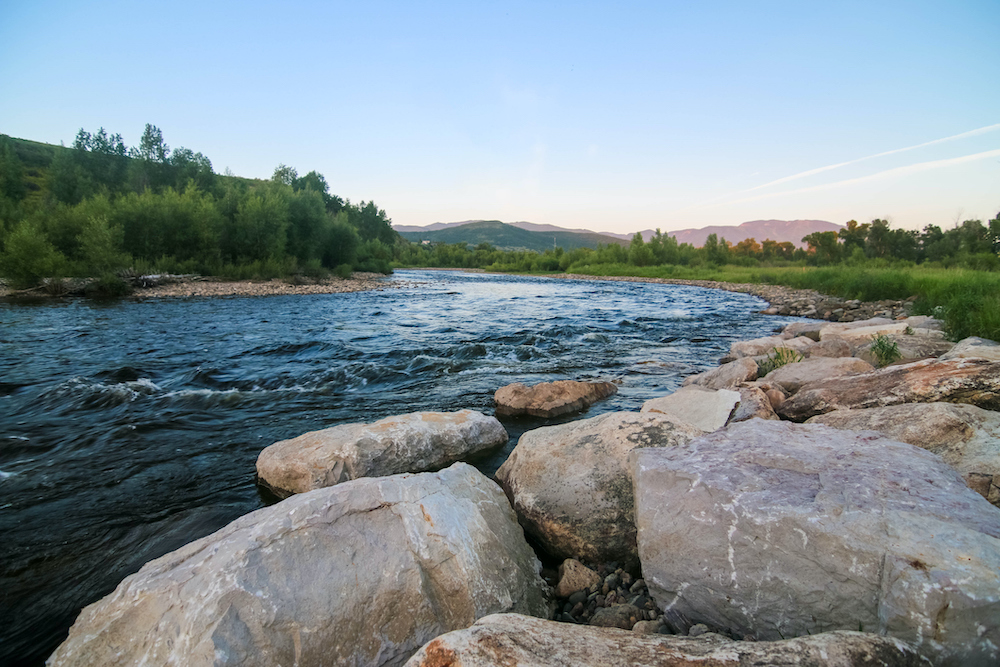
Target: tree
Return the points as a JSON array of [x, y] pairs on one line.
[[101, 248], [879, 240], [823, 247], [150, 160], [284, 174], [11, 172], [28, 256], [853, 236], [191, 166]]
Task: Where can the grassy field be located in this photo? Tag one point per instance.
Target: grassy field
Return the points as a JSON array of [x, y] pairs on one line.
[[968, 301]]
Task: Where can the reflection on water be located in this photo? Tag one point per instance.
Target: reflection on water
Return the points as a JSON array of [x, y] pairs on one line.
[[129, 429]]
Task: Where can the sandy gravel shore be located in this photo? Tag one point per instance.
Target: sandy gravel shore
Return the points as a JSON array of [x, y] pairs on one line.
[[208, 287]]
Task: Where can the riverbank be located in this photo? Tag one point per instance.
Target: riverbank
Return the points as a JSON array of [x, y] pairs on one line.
[[168, 286], [217, 287], [783, 300]]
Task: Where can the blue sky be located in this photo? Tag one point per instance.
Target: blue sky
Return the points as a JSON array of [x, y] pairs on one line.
[[609, 116]]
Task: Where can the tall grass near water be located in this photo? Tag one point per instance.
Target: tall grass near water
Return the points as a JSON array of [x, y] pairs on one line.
[[968, 301]]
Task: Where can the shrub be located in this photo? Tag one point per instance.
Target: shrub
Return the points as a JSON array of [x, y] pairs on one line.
[[885, 350], [776, 359], [29, 256]]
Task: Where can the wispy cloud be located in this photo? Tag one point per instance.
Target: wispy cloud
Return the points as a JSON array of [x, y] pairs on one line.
[[888, 173], [820, 170]]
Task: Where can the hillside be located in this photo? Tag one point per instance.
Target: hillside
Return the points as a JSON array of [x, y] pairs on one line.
[[506, 237], [776, 230]]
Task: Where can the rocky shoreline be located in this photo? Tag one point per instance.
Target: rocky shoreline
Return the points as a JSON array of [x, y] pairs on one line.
[[784, 300], [828, 495]]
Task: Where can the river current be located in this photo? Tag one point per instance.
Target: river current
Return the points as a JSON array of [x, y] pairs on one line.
[[130, 428]]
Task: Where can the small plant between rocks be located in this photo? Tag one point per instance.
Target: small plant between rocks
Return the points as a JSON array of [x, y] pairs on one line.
[[781, 356], [885, 350]]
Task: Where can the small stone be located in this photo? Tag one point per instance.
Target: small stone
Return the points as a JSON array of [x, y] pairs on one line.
[[619, 616], [697, 630], [645, 627], [577, 609], [637, 586], [578, 597], [574, 576], [612, 580]]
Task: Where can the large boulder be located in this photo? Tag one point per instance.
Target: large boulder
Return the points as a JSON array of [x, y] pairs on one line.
[[862, 330], [966, 437], [726, 376], [792, 376], [763, 346], [362, 573], [571, 484], [776, 530], [704, 408], [755, 403], [809, 329], [921, 344], [974, 347], [973, 381], [831, 347], [550, 399], [415, 442], [513, 639]]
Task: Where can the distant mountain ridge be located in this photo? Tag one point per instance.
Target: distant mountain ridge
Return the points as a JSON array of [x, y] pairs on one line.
[[776, 230], [507, 236], [475, 232]]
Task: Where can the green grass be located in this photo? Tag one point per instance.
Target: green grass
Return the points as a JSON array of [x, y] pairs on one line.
[[968, 301]]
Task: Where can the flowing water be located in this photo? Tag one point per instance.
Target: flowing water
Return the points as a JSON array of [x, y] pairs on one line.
[[128, 429]]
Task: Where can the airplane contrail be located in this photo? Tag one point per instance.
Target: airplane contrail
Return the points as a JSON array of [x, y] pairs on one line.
[[896, 171], [819, 170]]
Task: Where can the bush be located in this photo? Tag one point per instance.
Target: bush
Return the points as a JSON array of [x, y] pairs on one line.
[[885, 350], [108, 286], [29, 256], [776, 359]]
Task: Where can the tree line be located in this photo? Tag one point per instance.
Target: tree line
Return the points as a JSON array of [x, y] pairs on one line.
[[100, 209], [971, 244]]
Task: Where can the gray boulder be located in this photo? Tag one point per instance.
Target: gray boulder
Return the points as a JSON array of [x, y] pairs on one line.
[[972, 381], [921, 344], [362, 573], [792, 376], [755, 403], [703, 408], [414, 442], [512, 639], [974, 347], [831, 347], [726, 376], [782, 530], [763, 346], [571, 485], [966, 437]]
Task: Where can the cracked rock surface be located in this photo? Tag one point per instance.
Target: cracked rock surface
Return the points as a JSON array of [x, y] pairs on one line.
[[773, 530], [512, 639]]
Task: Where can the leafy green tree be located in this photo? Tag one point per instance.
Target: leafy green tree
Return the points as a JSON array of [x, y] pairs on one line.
[[284, 174], [28, 256], [823, 247], [189, 166], [101, 248], [150, 165], [372, 223], [853, 236], [258, 231], [878, 243], [306, 219], [11, 172], [640, 254]]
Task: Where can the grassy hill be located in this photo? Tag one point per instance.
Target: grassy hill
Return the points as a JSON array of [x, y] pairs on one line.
[[507, 237]]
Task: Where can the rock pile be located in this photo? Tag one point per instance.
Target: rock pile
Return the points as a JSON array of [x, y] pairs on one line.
[[710, 528]]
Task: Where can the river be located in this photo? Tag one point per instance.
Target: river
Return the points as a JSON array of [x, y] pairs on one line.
[[130, 428]]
